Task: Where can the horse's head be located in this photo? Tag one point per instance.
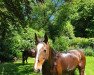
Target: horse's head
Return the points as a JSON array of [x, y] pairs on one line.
[[42, 52]]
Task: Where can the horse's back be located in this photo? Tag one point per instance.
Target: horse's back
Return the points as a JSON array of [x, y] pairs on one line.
[[78, 53], [32, 53], [72, 59]]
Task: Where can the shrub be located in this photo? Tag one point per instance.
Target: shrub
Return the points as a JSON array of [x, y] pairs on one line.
[[75, 42], [17, 42], [68, 30], [89, 51], [61, 43], [82, 42], [91, 42]]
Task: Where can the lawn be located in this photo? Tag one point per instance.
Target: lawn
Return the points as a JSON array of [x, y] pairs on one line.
[[17, 68]]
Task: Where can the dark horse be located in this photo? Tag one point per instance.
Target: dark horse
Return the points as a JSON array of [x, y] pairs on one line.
[[28, 53], [50, 62]]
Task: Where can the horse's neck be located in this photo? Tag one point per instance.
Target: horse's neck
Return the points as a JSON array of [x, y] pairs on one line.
[[52, 55], [48, 63]]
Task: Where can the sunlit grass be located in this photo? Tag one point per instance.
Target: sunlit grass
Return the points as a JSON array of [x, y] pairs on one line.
[[17, 68], [90, 66]]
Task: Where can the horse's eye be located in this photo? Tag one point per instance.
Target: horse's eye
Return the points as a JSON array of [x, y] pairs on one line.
[[43, 58], [44, 50], [38, 60]]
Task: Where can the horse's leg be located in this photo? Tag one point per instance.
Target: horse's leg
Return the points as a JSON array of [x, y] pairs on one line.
[[81, 65], [54, 71], [72, 72], [81, 68], [81, 71], [26, 59], [23, 58]]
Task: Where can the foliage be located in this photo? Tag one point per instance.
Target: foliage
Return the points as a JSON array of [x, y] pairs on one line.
[[91, 42], [89, 51], [80, 14], [82, 42], [83, 22], [19, 8], [43, 17], [16, 43], [20, 19], [79, 42], [68, 30], [61, 43], [64, 43], [86, 44], [52, 15]]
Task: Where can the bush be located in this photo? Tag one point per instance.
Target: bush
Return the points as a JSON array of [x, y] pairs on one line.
[[75, 42], [61, 43], [68, 30], [91, 42], [82, 42], [89, 51], [17, 42], [6, 56]]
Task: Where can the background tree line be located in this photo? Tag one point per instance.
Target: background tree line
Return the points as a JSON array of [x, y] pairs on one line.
[[63, 20]]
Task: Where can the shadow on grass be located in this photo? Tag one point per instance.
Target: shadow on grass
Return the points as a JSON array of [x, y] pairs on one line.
[[16, 69]]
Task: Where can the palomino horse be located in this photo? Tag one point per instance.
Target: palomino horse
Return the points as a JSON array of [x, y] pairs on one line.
[[50, 62], [28, 53]]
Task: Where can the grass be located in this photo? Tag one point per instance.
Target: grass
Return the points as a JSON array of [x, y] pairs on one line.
[[90, 66], [17, 68]]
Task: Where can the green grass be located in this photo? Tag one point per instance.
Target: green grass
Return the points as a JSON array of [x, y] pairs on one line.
[[17, 68], [90, 66]]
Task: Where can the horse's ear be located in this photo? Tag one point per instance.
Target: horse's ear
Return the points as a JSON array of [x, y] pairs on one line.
[[45, 38], [36, 39]]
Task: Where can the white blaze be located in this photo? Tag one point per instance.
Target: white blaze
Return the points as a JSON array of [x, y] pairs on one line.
[[65, 54], [39, 46]]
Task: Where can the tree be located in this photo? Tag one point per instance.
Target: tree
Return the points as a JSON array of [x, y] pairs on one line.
[[84, 24], [20, 9], [12, 24], [80, 14]]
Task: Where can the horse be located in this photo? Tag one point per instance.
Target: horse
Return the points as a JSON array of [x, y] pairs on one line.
[[50, 62], [28, 53]]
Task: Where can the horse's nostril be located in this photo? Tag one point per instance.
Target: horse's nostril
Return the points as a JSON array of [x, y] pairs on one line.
[[38, 70]]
